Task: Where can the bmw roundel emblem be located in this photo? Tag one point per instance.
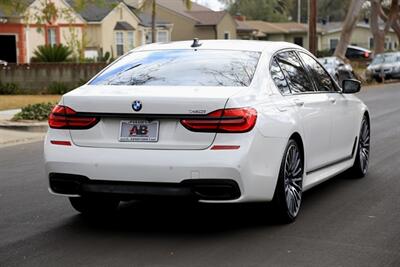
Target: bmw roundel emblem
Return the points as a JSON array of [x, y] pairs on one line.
[[137, 105]]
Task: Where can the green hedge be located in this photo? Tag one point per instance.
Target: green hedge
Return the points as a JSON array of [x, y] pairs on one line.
[[39, 112], [54, 88]]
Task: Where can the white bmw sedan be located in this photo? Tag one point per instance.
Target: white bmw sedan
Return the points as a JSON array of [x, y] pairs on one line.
[[213, 121]]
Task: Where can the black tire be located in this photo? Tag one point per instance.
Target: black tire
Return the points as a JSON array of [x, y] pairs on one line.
[[94, 205], [288, 191], [360, 167]]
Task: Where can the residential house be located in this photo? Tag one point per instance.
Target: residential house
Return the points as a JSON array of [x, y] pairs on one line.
[[111, 26], [292, 32], [243, 30], [198, 22], [116, 28], [361, 36], [20, 34]]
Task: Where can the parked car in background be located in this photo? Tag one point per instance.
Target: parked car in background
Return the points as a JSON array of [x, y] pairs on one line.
[[357, 52], [384, 66], [337, 68], [3, 63]]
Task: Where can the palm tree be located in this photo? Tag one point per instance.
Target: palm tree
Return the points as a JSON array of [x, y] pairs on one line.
[[187, 3]]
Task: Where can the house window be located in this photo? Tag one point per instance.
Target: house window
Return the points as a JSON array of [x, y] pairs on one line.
[[131, 40], [51, 36], [333, 43], [148, 37], [119, 43], [162, 36], [227, 35], [298, 41], [387, 43]]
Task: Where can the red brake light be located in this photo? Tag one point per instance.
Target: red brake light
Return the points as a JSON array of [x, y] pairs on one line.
[[366, 54], [234, 120], [62, 117]]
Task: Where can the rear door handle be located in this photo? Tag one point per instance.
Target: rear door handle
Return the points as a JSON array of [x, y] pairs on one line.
[[298, 102], [332, 100]]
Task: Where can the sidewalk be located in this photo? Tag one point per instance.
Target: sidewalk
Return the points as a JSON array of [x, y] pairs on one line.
[[13, 137], [12, 133]]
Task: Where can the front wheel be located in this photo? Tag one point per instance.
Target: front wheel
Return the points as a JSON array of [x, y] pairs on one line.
[[288, 191], [361, 162]]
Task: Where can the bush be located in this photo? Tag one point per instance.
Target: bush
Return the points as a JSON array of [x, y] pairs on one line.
[[51, 53], [324, 53], [58, 88], [9, 89], [39, 112]]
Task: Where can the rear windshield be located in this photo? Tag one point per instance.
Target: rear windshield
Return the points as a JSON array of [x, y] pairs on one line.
[[182, 68]]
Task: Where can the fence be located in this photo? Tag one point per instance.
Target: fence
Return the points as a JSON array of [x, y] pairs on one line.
[[39, 76]]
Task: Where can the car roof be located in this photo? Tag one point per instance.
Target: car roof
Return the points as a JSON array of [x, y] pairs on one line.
[[358, 48], [244, 45], [388, 54]]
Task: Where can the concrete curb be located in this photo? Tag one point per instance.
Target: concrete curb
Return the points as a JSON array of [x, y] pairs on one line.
[[22, 141], [27, 126]]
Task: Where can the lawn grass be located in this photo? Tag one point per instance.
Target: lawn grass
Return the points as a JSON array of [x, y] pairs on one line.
[[19, 101]]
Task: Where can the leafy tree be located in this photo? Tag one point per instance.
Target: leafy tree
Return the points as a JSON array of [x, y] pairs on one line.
[[52, 53], [268, 10]]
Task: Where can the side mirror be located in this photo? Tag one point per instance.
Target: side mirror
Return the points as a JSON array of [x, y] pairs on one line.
[[351, 86]]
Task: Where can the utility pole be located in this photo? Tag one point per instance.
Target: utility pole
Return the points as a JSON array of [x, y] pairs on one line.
[[312, 26], [299, 11]]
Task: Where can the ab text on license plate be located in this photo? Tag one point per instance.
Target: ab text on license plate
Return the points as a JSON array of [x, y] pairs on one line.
[[139, 131]]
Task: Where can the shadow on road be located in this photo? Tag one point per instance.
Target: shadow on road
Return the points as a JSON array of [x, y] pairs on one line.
[[172, 217]]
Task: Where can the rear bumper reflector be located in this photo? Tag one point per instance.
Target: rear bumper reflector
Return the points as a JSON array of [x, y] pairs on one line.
[[61, 143], [216, 147]]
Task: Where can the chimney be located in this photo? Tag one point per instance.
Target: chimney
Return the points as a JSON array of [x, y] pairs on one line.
[[240, 17]]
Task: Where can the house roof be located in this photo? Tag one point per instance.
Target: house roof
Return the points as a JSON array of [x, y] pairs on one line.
[[94, 12], [145, 20], [207, 17], [276, 28], [123, 26], [243, 26], [337, 26], [4, 14], [201, 14]]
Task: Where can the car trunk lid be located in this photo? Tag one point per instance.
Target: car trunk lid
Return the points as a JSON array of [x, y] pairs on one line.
[[162, 107]]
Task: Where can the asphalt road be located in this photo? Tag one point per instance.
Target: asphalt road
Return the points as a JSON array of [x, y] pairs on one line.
[[343, 222]]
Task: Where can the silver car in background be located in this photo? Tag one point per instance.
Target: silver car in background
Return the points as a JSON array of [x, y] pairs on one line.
[[337, 68], [384, 66]]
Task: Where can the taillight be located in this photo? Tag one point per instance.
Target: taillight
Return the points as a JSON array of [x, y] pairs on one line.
[[366, 54], [234, 120], [62, 117]]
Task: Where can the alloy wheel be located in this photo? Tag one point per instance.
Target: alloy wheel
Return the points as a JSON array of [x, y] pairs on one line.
[[364, 146], [293, 179]]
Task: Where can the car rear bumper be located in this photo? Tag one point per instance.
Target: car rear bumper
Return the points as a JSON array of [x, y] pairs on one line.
[[252, 170]]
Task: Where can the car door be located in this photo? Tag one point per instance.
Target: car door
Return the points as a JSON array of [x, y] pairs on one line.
[[340, 108], [311, 108]]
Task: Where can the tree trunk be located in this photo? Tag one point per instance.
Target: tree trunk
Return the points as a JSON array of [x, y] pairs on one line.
[[348, 27], [153, 22], [391, 21], [378, 34]]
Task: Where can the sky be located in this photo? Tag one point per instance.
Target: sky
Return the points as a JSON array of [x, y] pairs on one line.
[[213, 4]]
